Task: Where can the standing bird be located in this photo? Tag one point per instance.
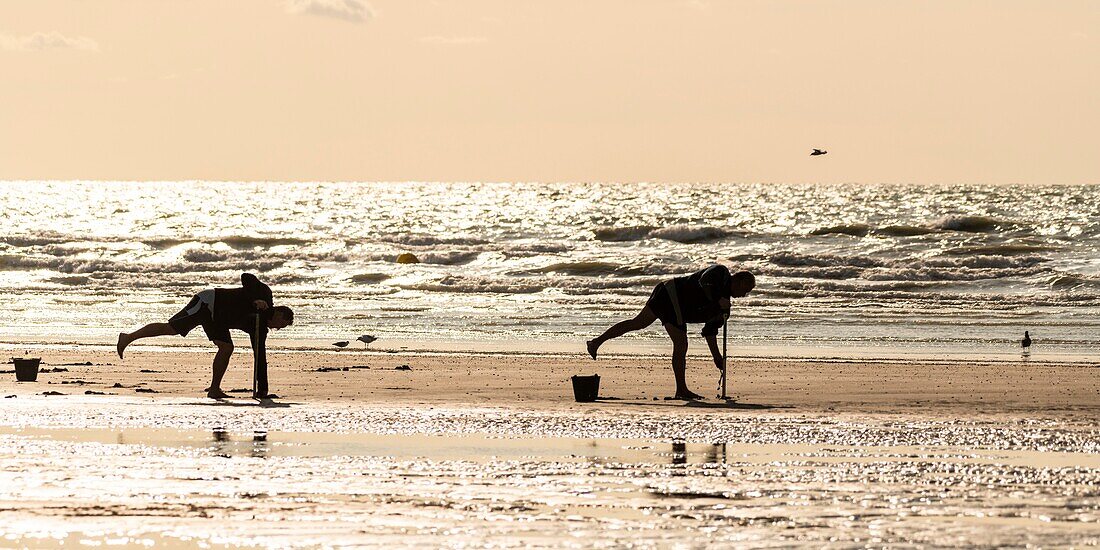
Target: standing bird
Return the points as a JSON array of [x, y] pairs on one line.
[[341, 344], [1026, 342], [366, 339], [817, 152]]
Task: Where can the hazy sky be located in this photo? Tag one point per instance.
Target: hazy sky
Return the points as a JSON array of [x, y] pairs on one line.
[[501, 90]]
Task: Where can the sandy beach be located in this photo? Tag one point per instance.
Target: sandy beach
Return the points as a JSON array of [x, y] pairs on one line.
[[930, 387], [491, 449]]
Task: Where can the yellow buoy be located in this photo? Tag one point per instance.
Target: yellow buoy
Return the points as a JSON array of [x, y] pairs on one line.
[[407, 258]]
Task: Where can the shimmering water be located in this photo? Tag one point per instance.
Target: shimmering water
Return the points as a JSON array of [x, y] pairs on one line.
[[97, 471], [855, 269]]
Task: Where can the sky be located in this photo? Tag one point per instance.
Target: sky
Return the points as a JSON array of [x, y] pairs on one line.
[[898, 91]]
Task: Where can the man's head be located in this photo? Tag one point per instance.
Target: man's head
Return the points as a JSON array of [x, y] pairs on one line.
[[741, 283], [281, 316]]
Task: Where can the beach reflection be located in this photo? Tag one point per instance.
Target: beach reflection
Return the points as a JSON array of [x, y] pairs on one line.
[[795, 480], [223, 446], [710, 453]]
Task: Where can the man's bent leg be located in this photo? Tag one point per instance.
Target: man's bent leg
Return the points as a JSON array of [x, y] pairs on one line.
[[147, 331], [642, 320], [679, 361], [221, 363]]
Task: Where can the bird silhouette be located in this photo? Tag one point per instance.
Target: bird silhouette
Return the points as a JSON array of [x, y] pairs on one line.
[[366, 339], [1026, 342], [817, 152], [341, 344]]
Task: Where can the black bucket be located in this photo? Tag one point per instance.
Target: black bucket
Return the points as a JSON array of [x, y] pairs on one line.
[[586, 388], [26, 370]]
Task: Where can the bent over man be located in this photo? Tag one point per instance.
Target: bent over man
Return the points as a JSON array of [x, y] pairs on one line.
[[218, 310], [702, 297]]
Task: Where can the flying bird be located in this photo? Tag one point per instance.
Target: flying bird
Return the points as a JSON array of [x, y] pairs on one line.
[[1026, 342], [817, 152], [366, 339], [341, 344]]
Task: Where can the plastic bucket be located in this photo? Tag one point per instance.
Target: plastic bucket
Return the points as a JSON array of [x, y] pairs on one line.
[[586, 388], [26, 370]]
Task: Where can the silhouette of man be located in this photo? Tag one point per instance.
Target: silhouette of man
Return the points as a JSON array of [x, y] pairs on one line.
[[702, 297], [218, 310]]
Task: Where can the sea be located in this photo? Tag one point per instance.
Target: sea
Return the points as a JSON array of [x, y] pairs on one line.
[[863, 271]]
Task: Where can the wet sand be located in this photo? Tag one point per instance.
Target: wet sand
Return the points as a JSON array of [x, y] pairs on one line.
[[491, 450], [935, 387]]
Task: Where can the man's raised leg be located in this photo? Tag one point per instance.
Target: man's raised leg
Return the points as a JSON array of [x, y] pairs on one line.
[[147, 331], [642, 320], [221, 363]]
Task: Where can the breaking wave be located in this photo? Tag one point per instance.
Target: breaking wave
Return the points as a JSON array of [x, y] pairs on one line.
[[969, 224], [687, 234], [853, 229]]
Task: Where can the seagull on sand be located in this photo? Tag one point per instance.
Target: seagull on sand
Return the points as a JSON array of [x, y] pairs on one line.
[[1026, 342], [817, 152], [366, 339], [341, 344]]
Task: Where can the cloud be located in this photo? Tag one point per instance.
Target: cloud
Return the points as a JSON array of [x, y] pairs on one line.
[[349, 10], [454, 40], [41, 41]]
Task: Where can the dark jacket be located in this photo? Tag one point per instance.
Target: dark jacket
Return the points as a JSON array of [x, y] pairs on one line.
[[698, 296], [235, 307]]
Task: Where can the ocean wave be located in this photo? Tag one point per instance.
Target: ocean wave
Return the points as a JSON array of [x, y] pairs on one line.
[[244, 241], [34, 240], [581, 268], [1000, 249], [1073, 281], [969, 224], [369, 278], [852, 229], [422, 240], [904, 230], [627, 233], [102, 266], [929, 273], [72, 280], [688, 234], [812, 272], [200, 255], [982, 262], [822, 260], [473, 285], [448, 258]]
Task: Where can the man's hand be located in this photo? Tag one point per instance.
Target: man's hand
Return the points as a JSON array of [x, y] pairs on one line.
[[260, 305], [724, 305]]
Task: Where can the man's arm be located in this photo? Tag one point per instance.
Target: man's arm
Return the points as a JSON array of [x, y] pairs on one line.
[[715, 353]]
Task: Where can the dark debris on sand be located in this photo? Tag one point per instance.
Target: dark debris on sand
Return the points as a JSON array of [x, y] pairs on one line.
[[93, 392], [52, 393], [341, 369], [9, 397], [402, 367], [145, 390], [239, 390]]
